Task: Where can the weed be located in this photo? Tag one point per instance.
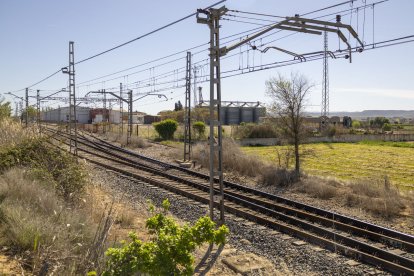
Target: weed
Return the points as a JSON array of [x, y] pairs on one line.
[[36, 220], [318, 188], [279, 177], [379, 198]]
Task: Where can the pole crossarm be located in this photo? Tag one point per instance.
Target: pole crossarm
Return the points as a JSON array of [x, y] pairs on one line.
[[151, 94], [299, 24]]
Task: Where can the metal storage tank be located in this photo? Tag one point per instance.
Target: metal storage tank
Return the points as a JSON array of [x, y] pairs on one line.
[[223, 111], [246, 114], [233, 115], [259, 111]]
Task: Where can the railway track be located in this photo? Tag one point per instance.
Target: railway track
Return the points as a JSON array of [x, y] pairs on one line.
[[382, 247]]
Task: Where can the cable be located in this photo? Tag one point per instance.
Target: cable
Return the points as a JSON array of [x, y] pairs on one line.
[[147, 34], [330, 7]]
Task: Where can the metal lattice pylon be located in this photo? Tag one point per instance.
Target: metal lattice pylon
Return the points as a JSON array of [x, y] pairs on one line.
[[216, 145], [325, 85], [187, 110], [73, 132]]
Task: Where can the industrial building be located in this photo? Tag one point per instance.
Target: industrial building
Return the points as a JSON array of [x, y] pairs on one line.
[[61, 114], [86, 115]]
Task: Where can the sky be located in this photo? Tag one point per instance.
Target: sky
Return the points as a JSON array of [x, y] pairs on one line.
[[35, 36]]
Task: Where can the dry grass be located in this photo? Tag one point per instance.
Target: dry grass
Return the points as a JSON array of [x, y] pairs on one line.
[[379, 198], [12, 133], [125, 219], [52, 235], [233, 158], [276, 176], [319, 188], [136, 142]]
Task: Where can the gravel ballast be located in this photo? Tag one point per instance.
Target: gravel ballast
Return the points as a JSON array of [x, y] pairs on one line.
[[300, 258]]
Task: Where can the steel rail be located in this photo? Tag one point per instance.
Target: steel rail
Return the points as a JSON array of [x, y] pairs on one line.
[[362, 246]]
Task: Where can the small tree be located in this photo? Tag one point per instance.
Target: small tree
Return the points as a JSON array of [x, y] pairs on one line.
[[5, 109], [166, 128], [199, 128], [288, 104], [169, 250]]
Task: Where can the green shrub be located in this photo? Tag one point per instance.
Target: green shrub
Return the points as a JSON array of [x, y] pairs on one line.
[[386, 127], [169, 251], [199, 128], [47, 163], [166, 128], [251, 130]]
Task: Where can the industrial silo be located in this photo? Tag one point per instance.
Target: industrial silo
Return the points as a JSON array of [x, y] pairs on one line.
[[233, 115], [223, 111], [246, 114], [259, 111]]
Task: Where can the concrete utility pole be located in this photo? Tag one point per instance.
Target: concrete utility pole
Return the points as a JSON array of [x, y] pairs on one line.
[[187, 111], [104, 114], [211, 17]]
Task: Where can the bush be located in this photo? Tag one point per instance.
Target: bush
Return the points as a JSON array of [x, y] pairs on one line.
[[51, 235], [200, 128], [169, 251], [166, 128], [48, 163], [279, 177], [251, 130], [233, 158], [319, 188], [386, 127]]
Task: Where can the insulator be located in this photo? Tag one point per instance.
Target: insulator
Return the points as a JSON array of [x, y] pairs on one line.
[[338, 18], [346, 56]]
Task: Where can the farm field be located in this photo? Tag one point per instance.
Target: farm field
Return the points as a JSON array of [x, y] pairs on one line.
[[353, 162]]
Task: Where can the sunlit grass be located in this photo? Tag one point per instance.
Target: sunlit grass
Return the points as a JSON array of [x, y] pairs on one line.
[[352, 162]]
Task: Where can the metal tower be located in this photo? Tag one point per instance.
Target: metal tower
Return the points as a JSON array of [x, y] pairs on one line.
[[38, 111], [73, 131], [325, 84], [195, 85], [216, 145], [187, 110], [121, 109], [27, 106]]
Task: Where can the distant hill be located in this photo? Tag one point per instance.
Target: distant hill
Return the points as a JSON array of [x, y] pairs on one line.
[[369, 113]]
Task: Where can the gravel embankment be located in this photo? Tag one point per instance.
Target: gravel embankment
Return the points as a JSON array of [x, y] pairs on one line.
[[300, 260]]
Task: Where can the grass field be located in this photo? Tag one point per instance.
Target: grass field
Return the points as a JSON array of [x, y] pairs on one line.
[[353, 162]]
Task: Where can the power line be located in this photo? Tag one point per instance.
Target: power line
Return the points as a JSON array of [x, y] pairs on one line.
[[147, 34]]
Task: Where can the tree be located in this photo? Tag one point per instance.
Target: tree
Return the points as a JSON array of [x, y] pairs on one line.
[[5, 109], [31, 112], [379, 122], [288, 103], [178, 106]]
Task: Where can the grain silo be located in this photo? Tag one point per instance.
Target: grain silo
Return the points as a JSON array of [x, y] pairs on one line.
[[246, 114], [259, 111], [233, 115]]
